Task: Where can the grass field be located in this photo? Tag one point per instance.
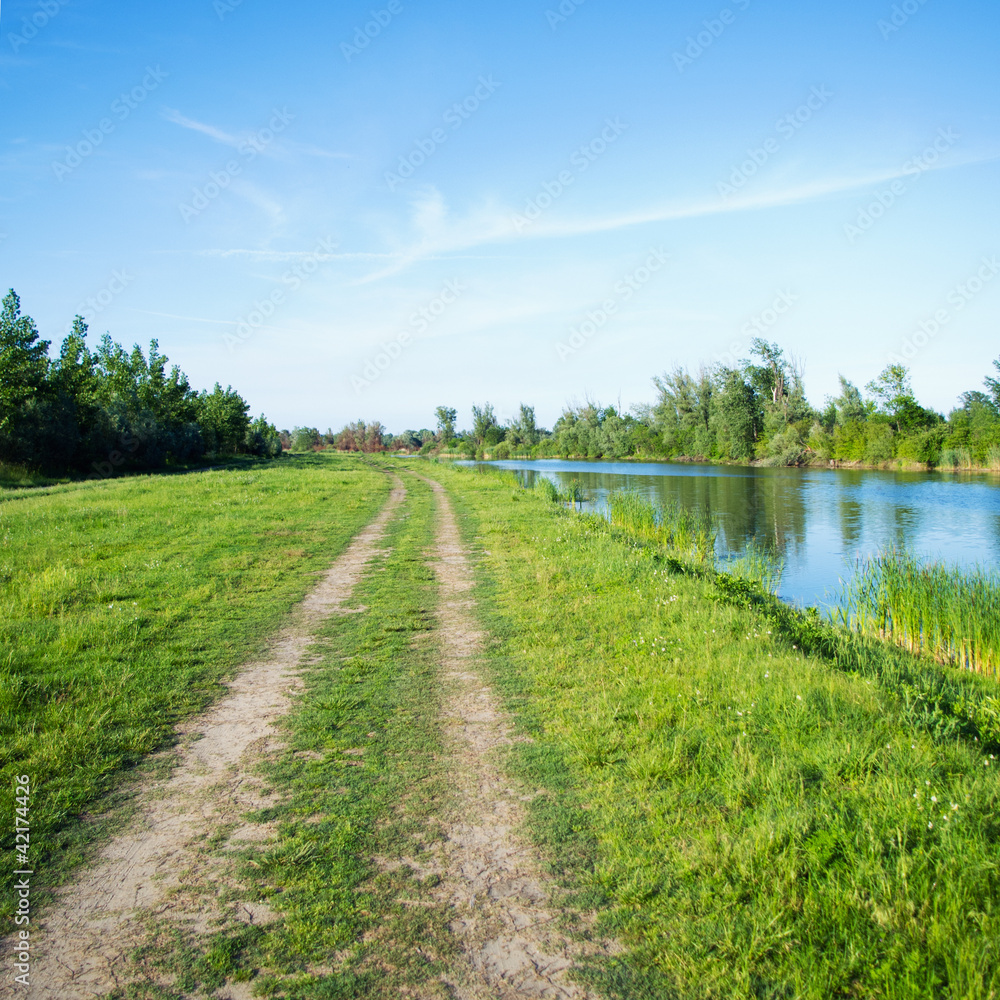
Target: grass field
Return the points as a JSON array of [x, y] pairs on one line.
[[125, 605], [750, 820], [754, 803]]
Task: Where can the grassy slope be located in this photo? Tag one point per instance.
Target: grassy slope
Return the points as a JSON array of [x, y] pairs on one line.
[[126, 603], [753, 822]]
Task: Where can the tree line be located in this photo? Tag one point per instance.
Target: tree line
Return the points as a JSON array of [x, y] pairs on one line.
[[98, 412], [753, 411], [103, 411]]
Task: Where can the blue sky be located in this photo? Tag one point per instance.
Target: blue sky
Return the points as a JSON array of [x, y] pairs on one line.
[[368, 210]]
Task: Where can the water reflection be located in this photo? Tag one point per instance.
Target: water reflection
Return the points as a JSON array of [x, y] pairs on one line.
[[818, 520]]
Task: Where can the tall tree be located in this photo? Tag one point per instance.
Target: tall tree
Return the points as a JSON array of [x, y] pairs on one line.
[[446, 417], [683, 411], [993, 386], [772, 375], [484, 421], [523, 428], [738, 413], [223, 416], [850, 406], [73, 373], [24, 361], [895, 396]]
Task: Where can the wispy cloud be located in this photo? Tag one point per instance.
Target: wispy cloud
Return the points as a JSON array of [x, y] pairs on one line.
[[282, 255], [238, 141], [492, 223], [186, 319], [309, 150], [172, 115], [260, 199], [207, 320]]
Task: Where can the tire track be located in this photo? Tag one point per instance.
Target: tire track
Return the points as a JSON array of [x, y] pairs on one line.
[[491, 877]]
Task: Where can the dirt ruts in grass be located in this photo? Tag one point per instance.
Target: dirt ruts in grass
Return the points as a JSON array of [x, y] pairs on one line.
[[86, 936], [504, 915]]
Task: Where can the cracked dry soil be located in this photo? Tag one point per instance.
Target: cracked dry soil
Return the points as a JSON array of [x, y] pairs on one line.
[[97, 919]]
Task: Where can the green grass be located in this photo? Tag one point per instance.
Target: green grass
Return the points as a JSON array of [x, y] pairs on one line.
[[361, 777], [22, 477], [688, 534], [757, 804], [950, 614], [125, 605]]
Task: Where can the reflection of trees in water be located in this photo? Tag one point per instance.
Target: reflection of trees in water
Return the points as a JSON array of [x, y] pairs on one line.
[[760, 505], [906, 523], [871, 514], [850, 510]]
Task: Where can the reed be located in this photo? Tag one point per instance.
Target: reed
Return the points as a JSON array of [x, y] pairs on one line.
[[547, 489], [689, 533], [574, 494], [759, 565], [945, 612]]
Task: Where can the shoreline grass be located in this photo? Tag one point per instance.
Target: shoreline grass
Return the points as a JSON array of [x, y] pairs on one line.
[[126, 605], [757, 804], [947, 613], [691, 535]]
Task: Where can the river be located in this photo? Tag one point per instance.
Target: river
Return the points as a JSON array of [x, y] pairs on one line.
[[820, 521]]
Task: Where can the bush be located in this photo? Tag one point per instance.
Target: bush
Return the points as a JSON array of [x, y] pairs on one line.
[[879, 444], [821, 442], [922, 446], [305, 439], [785, 449]]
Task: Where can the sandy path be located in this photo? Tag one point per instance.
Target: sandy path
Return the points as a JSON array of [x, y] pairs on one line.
[[490, 875], [86, 935]]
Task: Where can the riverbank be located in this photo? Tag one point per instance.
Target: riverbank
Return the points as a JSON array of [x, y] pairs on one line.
[[896, 465], [726, 792]]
